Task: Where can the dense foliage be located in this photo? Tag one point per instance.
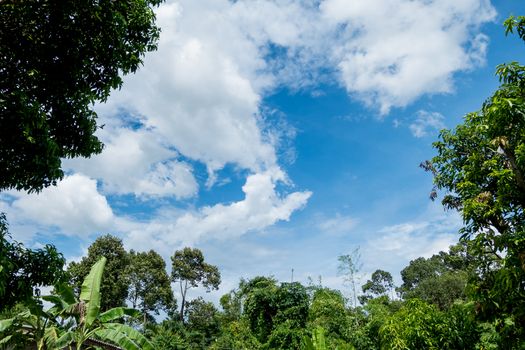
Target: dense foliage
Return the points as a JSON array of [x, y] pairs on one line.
[[57, 58], [23, 271], [481, 167], [115, 281]]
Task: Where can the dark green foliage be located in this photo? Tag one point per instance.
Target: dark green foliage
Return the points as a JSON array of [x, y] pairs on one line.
[[481, 167], [169, 334], [269, 308], [286, 335], [381, 283], [58, 58], [190, 270], [440, 279], [236, 335], [115, 281], [418, 325], [260, 306], [23, 270], [292, 305], [328, 311], [202, 322], [149, 283]]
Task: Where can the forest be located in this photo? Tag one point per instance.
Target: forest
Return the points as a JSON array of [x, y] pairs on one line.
[[471, 296]]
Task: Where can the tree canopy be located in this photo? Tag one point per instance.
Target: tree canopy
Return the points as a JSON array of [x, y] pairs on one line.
[[58, 58], [115, 282], [481, 167], [189, 269], [23, 270], [149, 283]]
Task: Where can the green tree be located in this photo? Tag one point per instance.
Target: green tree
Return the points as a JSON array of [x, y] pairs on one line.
[[58, 58], [481, 167], [149, 283], [440, 279], [23, 270], [276, 315], [418, 325], [190, 270], [236, 335], [381, 283], [327, 311], [202, 322], [115, 282], [259, 306]]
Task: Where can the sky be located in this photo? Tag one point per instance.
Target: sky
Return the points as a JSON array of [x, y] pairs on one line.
[[279, 135]]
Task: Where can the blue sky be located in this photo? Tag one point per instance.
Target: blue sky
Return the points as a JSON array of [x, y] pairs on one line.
[[278, 135]]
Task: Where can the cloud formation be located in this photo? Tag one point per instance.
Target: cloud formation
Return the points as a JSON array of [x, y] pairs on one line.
[[427, 122]]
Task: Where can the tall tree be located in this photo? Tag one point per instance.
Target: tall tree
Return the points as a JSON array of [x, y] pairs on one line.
[[23, 270], [481, 167], [115, 282], [58, 58], [381, 283], [190, 270], [149, 283], [349, 267]]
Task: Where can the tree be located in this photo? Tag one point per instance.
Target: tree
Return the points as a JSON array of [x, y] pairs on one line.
[[115, 282], [23, 270], [380, 284], [328, 311], [349, 267], [57, 59], [189, 269], [481, 167], [418, 325], [203, 322], [149, 283], [440, 279], [276, 315], [259, 306]]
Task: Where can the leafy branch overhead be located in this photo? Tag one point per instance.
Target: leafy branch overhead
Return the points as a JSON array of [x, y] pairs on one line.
[[58, 58]]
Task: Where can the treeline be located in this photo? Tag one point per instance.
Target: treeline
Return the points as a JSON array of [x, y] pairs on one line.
[[431, 309]]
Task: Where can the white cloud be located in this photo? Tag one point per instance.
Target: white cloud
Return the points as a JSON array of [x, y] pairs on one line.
[[394, 246], [261, 207], [396, 51], [139, 162], [426, 122], [74, 206], [338, 225]]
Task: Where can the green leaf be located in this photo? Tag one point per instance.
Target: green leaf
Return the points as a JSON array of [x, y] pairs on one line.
[[118, 312], [5, 340], [64, 340], [90, 291], [4, 324], [125, 336]]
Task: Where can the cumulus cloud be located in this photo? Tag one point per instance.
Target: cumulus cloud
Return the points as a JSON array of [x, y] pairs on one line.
[[138, 162], [74, 206], [395, 51], [426, 122], [262, 206]]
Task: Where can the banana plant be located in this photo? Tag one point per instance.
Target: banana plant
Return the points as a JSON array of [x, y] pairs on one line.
[[85, 321], [70, 322]]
